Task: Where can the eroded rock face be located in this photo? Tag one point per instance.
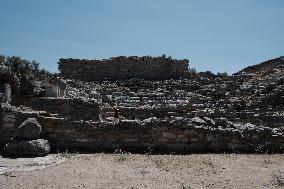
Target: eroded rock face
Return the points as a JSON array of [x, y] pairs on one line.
[[29, 129], [18, 147]]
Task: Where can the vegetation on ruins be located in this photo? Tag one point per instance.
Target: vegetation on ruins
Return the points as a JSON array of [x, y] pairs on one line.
[[222, 74], [22, 67], [192, 71]]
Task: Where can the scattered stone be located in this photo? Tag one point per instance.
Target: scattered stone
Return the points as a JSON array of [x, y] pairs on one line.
[[209, 121], [18, 147], [198, 121]]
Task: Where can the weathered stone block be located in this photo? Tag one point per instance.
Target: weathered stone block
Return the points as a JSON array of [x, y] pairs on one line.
[[188, 132], [182, 140], [81, 140], [194, 140], [29, 129], [163, 140], [130, 140]]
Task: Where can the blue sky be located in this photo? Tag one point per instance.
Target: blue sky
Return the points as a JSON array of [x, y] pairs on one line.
[[216, 35]]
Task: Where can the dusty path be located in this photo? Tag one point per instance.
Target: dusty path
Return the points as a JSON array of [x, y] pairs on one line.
[[155, 171]]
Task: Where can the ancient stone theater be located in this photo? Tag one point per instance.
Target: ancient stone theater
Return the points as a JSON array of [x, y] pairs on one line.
[[143, 104]]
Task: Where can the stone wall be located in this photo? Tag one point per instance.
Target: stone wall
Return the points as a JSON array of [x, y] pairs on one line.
[[119, 68], [144, 113], [73, 109], [159, 135], [175, 135], [7, 115], [7, 112], [7, 122]]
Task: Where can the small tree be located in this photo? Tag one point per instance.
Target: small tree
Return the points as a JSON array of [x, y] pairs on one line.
[[192, 70], [2, 59], [35, 67], [23, 67], [14, 63]]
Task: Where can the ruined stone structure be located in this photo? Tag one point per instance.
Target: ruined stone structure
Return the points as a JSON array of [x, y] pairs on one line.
[[175, 135], [11, 79], [7, 114], [54, 87], [5, 93], [120, 68], [201, 113]]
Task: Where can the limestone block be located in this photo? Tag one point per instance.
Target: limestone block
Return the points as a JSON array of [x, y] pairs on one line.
[[131, 140], [194, 140], [182, 140], [198, 121], [169, 135], [29, 129], [81, 140], [187, 132], [163, 140]]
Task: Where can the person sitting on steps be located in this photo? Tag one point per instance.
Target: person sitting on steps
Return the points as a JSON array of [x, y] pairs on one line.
[[116, 116]]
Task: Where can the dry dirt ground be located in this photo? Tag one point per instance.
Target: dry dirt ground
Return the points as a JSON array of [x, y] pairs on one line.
[[151, 171]]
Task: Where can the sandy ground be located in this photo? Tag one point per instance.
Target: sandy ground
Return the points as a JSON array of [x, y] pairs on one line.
[[153, 171], [10, 165]]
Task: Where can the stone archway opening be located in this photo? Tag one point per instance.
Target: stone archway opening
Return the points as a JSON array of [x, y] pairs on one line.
[[12, 80]]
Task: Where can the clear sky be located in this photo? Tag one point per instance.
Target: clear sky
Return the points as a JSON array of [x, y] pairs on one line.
[[216, 35]]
